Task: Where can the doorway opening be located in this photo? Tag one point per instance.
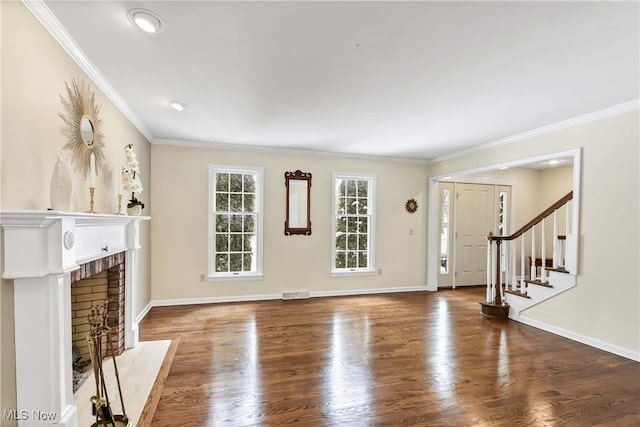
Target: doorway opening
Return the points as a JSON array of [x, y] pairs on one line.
[[522, 200], [468, 212]]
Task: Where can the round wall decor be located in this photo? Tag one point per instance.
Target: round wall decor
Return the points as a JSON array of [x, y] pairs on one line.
[[411, 206], [82, 127]]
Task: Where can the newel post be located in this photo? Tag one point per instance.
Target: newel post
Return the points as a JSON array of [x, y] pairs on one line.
[[498, 298], [496, 308]]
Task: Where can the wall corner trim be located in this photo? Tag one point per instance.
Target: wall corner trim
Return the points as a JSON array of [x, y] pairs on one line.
[[144, 312]]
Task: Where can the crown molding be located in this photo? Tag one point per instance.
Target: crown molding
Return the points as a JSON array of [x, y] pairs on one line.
[[586, 118], [44, 15], [281, 150]]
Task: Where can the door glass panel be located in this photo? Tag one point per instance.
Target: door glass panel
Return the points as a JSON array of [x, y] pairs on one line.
[[502, 225], [445, 197], [502, 213]]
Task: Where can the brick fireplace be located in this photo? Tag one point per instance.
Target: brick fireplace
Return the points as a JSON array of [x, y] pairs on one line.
[[44, 252], [92, 284]]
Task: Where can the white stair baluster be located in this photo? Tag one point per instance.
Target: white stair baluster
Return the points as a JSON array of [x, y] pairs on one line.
[[505, 249], [512, 263], [532, 273], [522, 272], [543, 264], [566, 233], [555, 239]]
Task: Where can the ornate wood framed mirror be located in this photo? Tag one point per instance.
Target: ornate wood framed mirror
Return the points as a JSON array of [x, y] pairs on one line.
[[298, 204]]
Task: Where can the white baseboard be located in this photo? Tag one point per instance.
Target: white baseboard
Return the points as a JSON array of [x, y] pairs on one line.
[[213, 300], [144, 312], [347, 292], [593, 342], [265, 297]]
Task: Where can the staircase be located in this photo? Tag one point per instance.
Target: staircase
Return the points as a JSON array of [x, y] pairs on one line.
[[529, 267]]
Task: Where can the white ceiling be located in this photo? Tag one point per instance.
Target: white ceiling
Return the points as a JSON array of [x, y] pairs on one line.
[[399, 79]]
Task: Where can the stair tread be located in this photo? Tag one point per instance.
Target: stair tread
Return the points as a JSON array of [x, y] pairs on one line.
[[557, 269], [518, 293], [538, 282]]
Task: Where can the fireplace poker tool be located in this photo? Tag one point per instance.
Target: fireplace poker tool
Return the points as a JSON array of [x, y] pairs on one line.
[[98, 331]]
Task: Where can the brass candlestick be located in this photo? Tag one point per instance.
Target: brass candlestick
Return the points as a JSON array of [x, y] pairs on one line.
[[91, 191], [119, 205]]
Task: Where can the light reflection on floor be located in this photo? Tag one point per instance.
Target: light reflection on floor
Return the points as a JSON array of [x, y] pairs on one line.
[[442, 363], [503, 358], [244, 352], [349, 360]]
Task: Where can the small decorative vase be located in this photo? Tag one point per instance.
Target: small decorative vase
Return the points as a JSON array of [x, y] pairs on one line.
[[61, 190], [135, 211]]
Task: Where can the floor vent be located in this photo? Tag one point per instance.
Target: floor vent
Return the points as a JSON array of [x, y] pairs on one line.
[[295, 295]]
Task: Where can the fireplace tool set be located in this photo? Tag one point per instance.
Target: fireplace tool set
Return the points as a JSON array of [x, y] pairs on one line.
[[99, 334]]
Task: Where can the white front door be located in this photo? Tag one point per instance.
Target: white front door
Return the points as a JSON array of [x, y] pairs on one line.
[[474, 218]]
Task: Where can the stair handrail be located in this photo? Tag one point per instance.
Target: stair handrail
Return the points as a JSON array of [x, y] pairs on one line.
[[528, 226], [498, 307]]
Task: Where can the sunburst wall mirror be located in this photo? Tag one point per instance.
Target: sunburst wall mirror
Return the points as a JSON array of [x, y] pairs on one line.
[[82, 127], [411, 206]]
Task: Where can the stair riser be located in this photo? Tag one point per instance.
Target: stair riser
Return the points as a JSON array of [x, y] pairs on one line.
[[561, 282]]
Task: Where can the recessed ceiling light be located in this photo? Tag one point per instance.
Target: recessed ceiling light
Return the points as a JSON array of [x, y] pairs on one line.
[[504, 168], [146, 20], [177, 105], [555, 161]]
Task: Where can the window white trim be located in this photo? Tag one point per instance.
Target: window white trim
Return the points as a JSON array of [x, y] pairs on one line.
[[353, 272], [212, 275], [371, 245]]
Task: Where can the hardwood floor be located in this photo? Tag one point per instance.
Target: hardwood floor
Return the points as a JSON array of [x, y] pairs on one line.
[[422, 359]]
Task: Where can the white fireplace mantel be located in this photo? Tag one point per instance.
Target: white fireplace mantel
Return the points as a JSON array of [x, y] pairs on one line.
[[41, 249]]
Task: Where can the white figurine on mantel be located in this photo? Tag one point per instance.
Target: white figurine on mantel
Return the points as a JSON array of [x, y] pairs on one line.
[[62, 191], [131, 181]]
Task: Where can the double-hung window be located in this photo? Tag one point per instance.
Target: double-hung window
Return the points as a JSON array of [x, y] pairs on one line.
[[353, 223], [235, 222]]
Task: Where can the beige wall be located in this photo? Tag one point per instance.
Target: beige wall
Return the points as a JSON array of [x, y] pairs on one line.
[[554, 183], [179, 233], [34, 71], [605, 305]]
